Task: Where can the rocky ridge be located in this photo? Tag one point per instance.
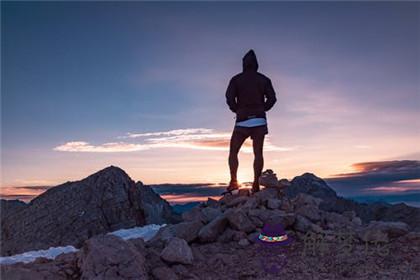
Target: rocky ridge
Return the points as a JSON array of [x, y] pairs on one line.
[[73, 212], [216, 240]]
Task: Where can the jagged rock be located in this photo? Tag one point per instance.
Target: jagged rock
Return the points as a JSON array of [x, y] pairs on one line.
[[211, 231], [310, 184], [251, 203], [185, 230], [109, 257], [273, 203], [210, 214], [177, 251], [286, 205], [284, 183], [303, 199], [164, 273], [212, 202], [240, 221], [194, 214], [310, 212], [72, 212], [11, 206], [156, 209], [269, 179], [237, 201], [265, 194], [280, 217]]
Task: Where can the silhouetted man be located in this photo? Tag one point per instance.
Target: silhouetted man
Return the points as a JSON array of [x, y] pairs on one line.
[[250, 95]]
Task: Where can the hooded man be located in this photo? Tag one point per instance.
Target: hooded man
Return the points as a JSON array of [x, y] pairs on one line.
[[249, 95]]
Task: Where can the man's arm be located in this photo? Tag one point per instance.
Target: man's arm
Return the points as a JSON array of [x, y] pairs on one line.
[[231, 96], [270, 95]]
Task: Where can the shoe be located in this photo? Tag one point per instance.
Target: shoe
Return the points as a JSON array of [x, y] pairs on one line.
[[233, 185], [255, 187]]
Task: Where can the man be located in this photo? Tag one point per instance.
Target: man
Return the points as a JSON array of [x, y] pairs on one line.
[[250, 95]]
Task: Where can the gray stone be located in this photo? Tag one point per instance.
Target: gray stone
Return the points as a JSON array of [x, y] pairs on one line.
[[210, 213], [177, 251], [243, 242], [240, 221], [212, 230], [237, 201], [109, 257], [273, 203]]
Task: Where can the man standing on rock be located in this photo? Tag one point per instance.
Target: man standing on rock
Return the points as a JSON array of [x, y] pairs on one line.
[[250, 95]]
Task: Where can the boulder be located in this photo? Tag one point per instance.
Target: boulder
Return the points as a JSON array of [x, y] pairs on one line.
[[209, 214], [285, 219], [212, 230], [177, 251], [185, 230], [237, 201], [194, 214], [240, 221], [109, 257], [310, 212], [243, 242], [273, 203], [269, 179]]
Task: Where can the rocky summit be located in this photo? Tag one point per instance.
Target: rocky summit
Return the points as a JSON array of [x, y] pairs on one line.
[[73, 212], [218, 239]]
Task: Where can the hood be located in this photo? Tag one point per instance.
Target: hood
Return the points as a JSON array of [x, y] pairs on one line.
[[249, 61]]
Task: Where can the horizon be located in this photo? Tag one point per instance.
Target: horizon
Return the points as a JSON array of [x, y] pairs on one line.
[[141, 85]]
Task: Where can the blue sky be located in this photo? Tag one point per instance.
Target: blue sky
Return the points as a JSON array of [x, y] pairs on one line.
[[83, 82]]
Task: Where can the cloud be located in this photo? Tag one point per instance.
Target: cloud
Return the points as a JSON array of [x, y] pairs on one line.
[[191, 138], [379, 177]]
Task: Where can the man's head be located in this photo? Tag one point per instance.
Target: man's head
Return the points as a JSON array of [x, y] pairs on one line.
[[249, 61]]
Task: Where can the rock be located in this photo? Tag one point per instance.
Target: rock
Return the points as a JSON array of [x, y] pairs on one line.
[[243, 242], [156, 209], [177, 251], [212, 202], [210, 214], [383, 231], [285, 219], [109, 257], [237, 201], [269, 179], [251, 203], [303, 199], [310, 212], [252, 237], [265, 194], [310, 184], [286, 205], [10, 206], [73, 212], [273, 203], [284, 183], [212, 230], [194, 214], [244, 192], [164, 273], [185, 230], [240, 221]]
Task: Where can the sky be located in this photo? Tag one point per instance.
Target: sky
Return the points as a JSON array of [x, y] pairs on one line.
[[141, 85]]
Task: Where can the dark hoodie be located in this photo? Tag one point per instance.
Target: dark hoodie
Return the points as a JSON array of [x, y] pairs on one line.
[[250, 94]]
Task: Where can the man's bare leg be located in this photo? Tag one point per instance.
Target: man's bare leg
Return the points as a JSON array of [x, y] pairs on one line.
[[257, 145], [236, 142]]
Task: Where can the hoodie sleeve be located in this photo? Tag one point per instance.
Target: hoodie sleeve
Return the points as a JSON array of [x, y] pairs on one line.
[[270, 95], [231, 96]]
